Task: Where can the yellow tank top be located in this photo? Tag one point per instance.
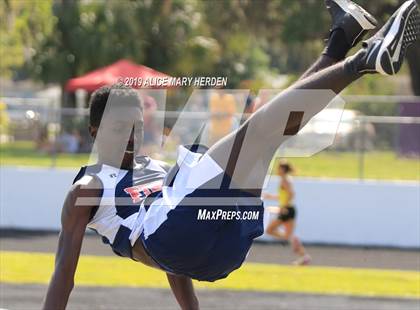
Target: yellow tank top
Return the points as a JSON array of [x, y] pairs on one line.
[[284, 197]]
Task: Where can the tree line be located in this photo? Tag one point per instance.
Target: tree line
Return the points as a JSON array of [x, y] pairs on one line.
[[245, 40]]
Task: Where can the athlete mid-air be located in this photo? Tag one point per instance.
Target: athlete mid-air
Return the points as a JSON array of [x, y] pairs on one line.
[[150, 214]]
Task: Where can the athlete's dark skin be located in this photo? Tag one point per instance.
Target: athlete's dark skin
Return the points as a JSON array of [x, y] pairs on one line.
[[75, 217], [265, 121]]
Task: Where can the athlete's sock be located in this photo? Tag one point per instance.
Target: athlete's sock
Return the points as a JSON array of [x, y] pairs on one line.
[[355, 65], [337, 45]]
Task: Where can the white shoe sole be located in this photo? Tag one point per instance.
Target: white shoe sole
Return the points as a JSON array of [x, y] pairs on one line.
[[390, 36], [357, 12]]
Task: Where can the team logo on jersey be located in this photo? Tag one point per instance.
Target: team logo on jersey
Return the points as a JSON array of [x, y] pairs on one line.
[[140, 192]]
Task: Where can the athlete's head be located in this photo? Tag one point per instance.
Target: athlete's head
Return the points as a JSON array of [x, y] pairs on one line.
[[116, 124], [285, 168]]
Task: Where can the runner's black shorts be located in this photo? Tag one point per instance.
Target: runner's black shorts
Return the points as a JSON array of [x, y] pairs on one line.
[[287, 213]]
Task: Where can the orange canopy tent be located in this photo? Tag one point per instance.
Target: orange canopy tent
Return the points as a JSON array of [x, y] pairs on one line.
[[112, 74]]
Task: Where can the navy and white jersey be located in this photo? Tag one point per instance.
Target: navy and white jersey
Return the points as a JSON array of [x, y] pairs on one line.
[[118, 218], [175, 237]]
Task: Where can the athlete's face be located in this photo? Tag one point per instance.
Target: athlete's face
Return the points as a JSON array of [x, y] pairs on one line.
[[281, 172], [119, 136]]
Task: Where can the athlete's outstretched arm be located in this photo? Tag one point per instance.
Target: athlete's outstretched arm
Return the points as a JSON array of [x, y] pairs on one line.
[[183, 290], [74, 219]]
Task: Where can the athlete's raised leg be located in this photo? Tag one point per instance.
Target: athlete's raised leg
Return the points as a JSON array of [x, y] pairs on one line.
[[350, 23], [252, 146]]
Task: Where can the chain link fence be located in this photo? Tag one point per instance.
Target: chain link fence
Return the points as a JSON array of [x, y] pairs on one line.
[[34, 132]]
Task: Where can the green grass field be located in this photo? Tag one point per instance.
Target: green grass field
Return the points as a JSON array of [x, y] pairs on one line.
[[23, 153], [36, 268], [378, 165]]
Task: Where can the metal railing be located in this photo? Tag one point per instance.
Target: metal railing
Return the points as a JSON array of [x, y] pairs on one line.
[[31, 117]]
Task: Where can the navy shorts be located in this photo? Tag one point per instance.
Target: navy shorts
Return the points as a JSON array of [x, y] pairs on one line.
[[181, 230]]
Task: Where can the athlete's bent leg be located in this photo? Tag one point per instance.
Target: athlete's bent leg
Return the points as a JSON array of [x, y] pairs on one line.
[[272, 229], [253, 145]]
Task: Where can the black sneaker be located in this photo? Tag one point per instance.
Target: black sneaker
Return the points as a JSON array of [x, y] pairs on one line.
[[351, 18], [384, 52]]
